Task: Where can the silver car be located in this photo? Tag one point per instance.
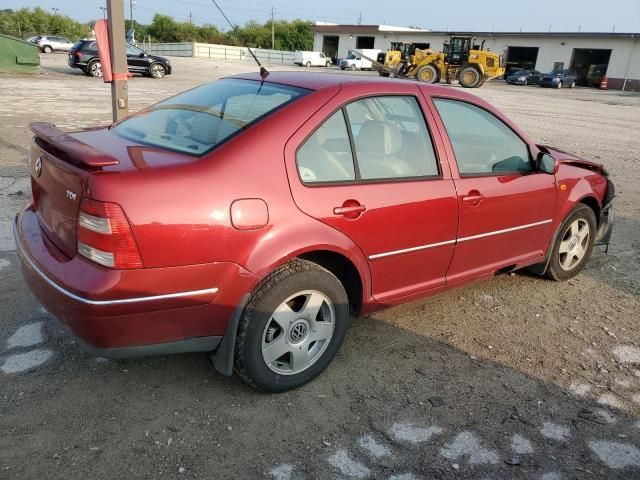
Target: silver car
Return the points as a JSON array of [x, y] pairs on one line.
[[51, 43]]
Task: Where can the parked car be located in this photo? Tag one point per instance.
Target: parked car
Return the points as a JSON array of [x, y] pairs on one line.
[[357, 62], [524, 77], [559, 79], [253, 218], [84, 55], [311, 59], [52, 43], [33, 39]]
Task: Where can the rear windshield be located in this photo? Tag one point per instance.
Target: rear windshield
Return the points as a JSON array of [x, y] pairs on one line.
[[196, 121]]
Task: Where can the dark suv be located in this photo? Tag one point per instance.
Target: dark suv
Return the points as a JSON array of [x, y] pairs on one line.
[[84, 55], [559, 78]]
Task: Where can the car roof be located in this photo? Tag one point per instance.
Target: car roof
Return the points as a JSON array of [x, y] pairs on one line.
[[318, 81]]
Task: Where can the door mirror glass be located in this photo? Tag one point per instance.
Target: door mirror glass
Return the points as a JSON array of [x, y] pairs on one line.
[[546, 163], [142, 55]]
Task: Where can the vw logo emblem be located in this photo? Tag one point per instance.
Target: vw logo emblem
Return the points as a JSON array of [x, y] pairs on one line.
[[298, 332], [38, 166]]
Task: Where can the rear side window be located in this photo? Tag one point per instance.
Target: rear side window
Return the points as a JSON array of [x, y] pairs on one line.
[[391, 138], [482, 143], [326, 155], [200, 119]]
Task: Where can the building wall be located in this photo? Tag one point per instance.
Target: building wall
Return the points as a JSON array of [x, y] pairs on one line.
[[624, 61]]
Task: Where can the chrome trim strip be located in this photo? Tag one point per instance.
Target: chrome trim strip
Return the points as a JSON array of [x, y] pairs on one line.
[[506, 230], [462, 239], [101, 302], [412, 249]]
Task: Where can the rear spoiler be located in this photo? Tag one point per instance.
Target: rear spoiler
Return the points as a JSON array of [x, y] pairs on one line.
[[70, 147]]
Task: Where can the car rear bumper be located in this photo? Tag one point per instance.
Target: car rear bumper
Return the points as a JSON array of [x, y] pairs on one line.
[[126, 313]]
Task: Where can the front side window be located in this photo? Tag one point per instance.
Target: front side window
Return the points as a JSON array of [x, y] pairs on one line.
[[391, 138], [133, 51], [326, 155], [482, 143], [200, 119]]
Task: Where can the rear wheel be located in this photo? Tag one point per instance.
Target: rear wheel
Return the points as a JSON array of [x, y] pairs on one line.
[[47, 49], [573, 84], [292, 327], [427, 74], [573, 245], [308, 64], [469, 77], [94, 69]]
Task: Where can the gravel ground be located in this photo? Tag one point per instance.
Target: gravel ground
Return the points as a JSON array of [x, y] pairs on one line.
[[515, 377]]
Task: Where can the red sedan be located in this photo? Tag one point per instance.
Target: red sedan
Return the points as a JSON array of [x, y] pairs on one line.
[[252, 218]]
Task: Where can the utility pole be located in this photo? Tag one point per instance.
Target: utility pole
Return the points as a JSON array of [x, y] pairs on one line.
[[273, 30], [190, 18], [104, 12], [360, 19], [55, 10], [131, 4], [119, 92]]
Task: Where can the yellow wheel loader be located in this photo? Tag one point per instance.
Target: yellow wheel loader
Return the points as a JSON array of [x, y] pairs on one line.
[[459, 60]]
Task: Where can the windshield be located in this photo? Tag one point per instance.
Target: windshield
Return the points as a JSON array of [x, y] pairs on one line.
[[198, 120], [351, 56], [556, 73], [520, 72]]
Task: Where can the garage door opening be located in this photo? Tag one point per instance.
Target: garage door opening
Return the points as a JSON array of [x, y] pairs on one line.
[[365, 42], [590, 65], [521, 58], [330, 46]]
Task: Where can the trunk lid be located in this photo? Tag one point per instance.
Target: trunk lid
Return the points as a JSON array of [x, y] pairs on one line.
[[60, 165]]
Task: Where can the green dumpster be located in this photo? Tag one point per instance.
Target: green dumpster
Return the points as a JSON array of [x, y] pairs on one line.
[[17, 55]]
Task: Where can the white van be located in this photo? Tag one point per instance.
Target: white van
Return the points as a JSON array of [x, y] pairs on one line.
[[356, 62], [311, 59]]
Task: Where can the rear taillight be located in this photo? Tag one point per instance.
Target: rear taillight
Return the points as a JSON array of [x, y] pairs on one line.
[[105, 236]]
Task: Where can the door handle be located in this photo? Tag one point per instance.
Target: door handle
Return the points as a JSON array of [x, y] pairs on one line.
[[474, 197], [349, 210]]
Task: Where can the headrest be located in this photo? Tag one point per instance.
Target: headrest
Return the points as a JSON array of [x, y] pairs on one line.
[[380, 137], [204, 128]]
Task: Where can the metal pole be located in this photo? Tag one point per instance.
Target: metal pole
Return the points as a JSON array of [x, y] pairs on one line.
[[130, 13], [273, 31], [119, 92], [626, 72]]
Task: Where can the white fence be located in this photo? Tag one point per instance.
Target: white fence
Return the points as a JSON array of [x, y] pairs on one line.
[[218, 52]]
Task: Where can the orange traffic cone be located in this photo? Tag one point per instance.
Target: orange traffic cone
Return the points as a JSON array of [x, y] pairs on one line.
[[604, 84]]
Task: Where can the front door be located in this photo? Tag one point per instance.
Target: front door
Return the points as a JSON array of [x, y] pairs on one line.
[[135, 61], [506, 207], [370, 170]]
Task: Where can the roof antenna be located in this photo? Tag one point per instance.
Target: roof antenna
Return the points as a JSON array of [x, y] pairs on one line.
[[264, 73]]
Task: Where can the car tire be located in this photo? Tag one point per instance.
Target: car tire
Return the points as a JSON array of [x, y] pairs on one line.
[[382, 73], [308, 64], [573, 245], [427, 74], [573, 84], [559, 85], [526, 82], [94, 69], [157, 70], [47, 49], [328, 64], [352, 67], [293, 337], [469, 77]]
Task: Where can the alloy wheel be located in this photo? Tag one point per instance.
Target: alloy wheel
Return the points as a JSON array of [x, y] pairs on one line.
[[574, 244], [298, 332]]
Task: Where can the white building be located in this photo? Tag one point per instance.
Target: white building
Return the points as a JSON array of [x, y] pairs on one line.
[[540, 51]]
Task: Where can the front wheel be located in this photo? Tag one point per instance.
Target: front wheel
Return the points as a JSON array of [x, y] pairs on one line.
[[308, 64], [95, 69], [328, 64], [291, 328], [47, 49], [157, 70], [469, 77], [573, 245], [573, 84], [427, 74]]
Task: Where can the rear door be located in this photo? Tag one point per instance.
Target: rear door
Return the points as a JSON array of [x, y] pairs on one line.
[[371, 170], [506, 207]]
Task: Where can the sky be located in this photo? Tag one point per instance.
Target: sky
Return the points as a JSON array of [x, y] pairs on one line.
[[472, 15]]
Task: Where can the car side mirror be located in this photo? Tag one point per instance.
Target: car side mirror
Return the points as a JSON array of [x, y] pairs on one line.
[[547, 164], [142, 55]]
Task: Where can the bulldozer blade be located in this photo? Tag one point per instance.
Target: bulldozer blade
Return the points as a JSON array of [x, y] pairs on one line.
[[378, 65]]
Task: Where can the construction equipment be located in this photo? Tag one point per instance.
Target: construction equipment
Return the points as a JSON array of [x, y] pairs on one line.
[[460, 60], [399, 54]]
